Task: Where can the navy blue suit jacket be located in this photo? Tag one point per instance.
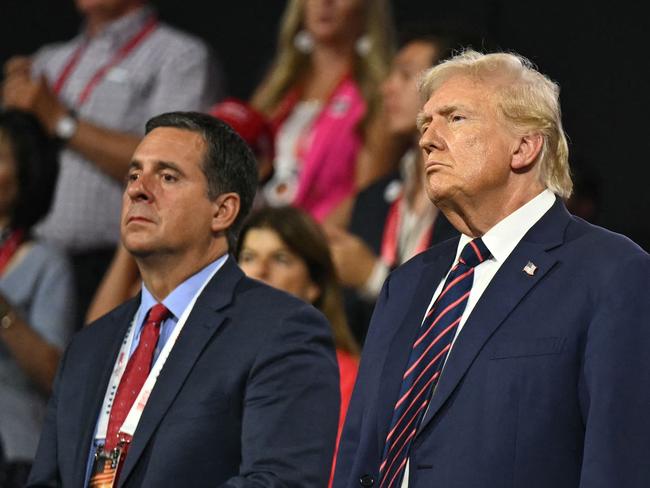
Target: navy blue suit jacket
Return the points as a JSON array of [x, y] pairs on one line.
[[249, 396], [548, 383]]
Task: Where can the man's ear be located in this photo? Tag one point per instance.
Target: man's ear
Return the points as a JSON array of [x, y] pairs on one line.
[[226, 210], [526, 151]]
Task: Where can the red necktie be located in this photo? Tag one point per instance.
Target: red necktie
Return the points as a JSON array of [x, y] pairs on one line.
[[135, 374], [426, 360]]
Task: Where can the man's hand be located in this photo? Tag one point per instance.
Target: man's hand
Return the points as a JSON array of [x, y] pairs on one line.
[[20, 91], [353, 259]]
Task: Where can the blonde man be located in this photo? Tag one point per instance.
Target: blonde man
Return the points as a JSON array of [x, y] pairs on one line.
[[515, 355]]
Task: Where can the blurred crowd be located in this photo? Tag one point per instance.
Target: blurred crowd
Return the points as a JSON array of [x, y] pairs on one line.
[[340, 201]]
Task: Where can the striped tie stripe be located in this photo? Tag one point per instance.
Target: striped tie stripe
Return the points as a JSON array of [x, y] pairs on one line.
[[440, 317], [420, 392], [427, 357]]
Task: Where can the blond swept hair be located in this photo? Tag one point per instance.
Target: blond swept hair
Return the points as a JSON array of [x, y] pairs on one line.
[[527, 100], [290, 64]]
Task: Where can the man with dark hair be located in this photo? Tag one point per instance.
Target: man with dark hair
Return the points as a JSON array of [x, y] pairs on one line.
[[206, 378], [226, 163]]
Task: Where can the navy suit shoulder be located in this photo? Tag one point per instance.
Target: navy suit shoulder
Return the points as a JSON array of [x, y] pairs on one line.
[[232, 407]]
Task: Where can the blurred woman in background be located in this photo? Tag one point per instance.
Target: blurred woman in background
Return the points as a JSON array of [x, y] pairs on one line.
[[36, 292], [392, 219], [322, 97], [285, 248]]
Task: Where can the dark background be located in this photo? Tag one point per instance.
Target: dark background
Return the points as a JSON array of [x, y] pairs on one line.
[[595, 52]]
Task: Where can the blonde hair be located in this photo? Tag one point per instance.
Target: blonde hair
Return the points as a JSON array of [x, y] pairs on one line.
[[290, 63], [527, 99]]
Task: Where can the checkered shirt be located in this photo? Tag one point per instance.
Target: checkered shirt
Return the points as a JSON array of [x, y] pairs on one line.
[[169, 70]]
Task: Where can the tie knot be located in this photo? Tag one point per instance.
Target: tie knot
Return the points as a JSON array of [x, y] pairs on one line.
[[474, 253], [158, 313]]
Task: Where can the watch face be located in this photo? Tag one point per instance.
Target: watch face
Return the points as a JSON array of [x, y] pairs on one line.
[[66, 127]]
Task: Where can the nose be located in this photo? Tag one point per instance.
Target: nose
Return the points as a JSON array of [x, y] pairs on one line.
[[138, 188], [258, 269], [430, 140]]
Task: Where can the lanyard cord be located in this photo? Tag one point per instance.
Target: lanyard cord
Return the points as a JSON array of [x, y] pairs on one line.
[[99, 75]]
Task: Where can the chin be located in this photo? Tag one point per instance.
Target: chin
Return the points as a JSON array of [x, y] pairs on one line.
[[136, 247], [140, 253], [436, 194]]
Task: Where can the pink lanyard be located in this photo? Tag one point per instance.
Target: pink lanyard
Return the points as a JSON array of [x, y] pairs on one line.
[[9, 248], [99, 75]]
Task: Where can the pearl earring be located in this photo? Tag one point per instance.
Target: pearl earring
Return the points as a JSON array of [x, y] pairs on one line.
[[363, 45], [304, 42]]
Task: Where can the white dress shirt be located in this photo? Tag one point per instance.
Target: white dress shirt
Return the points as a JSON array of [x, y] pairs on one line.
[[500, 240]]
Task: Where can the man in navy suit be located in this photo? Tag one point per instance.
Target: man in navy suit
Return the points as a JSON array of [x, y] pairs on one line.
[[542, 376], [240, 389]]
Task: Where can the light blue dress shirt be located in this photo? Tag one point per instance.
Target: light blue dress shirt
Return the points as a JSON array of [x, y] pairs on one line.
[[176, 302]]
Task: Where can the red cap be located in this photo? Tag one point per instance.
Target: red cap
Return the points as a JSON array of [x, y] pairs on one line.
[[250, 124]]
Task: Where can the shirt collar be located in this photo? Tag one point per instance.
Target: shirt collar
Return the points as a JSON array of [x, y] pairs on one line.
[[178, 300], [502, 238]]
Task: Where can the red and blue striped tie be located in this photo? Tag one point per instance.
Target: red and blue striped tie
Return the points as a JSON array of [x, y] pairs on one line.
[[426, 360]]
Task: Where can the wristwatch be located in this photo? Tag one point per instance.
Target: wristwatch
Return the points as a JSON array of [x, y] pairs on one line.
[[66, 126], [6, 316]]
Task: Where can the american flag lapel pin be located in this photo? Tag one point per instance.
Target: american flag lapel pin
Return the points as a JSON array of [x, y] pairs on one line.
[[530, 268]]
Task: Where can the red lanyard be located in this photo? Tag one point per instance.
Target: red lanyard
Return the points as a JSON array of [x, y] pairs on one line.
[[99, 75], [9, 248], [389, 250]]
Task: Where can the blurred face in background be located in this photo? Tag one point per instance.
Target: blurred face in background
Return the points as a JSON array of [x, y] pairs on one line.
[[401, 98], [265, 257], [8, 179], [333, 21], [106, 9]]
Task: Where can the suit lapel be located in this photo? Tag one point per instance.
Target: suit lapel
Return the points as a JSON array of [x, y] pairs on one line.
[[506, 290], [97, 380], [432, 273], [205, 319]]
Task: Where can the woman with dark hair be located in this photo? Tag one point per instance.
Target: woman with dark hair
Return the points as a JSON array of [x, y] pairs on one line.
[[36, 297], [285, 248]]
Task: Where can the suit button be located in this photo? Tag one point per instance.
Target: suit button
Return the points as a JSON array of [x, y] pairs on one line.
[[366, 480]]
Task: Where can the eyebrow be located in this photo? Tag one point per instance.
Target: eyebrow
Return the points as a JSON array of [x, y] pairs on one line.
[[159, 165], [448, 109], [422, 117]]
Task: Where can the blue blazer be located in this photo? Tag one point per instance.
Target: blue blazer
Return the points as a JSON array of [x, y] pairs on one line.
[[248, 397], [548, 383]]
